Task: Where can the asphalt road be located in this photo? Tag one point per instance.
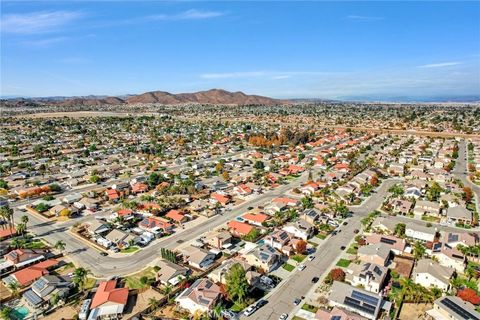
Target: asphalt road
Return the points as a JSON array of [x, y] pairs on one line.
[[299, 283]]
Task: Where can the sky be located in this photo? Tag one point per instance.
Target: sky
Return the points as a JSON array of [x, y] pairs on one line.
[[333, 50]]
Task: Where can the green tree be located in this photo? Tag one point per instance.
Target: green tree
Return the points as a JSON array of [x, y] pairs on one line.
[[14, 288], [60, 245], [259, 165], [3, 184], [80, 277], [5, 313], [400, 229], [307, 202], [418, 250], [237, 285]]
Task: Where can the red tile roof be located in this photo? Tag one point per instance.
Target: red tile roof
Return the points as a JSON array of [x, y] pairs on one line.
[[175, 215], [239, 228], [108, 292], [259, 217]]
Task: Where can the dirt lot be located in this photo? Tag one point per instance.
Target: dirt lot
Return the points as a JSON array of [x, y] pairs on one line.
[[140, 302], [4, 292], [68, 312], [414, 311], [403, 266]]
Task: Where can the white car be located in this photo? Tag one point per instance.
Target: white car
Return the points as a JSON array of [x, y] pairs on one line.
[[283, 316], [310, 258], [250, 310], [301, 267]]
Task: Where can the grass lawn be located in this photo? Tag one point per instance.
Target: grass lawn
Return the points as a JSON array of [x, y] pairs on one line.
[[299, 257], [344, 263], [297, 318], [430, 219], [130, 249], [353, 249], [309, 307], [36, 244], [89, 284], [133, 281], [313, 244], [321, 236], [288, 267]]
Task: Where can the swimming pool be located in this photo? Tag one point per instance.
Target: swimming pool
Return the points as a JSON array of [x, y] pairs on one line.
[[20, 313]]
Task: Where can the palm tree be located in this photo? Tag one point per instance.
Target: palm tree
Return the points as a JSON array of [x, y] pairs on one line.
[[60, 245], [217, 311], [21, 228], [167, 290], [7, 215], [153, 304], [15, 243], [54, 299], [80, 277], [24, 220], [14, 288]]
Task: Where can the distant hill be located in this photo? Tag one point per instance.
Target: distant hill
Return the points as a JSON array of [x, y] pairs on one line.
[[213, 96]]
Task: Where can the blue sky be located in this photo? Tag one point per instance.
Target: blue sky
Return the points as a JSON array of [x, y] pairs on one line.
[[279, 49]]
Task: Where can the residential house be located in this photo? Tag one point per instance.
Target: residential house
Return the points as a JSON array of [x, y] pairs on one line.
[[255, 219], [239, 229], [453, 308], [429, 273], [367, 304], [459, 214], [198, 257], [218, 239], [26, 276], [449, 256], [300, 229], [428, 208], [218, 275], [200, 297], [374, 253], [369, 276], [45, 288], [108, 301], [170, 273], [395, 244], [263, 256], [156, 225], [420, 233]]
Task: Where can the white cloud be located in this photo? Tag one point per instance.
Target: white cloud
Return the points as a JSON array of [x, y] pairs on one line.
[[192, 14], [37, 22], [44, 42], [441, 65]]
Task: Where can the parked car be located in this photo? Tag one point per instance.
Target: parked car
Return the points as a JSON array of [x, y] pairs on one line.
[[345, 223], [356, 231], [229, 314], [301, 267], [103, 254], [310, 258], [283, 316], [297, 301], [261, 303], [342, 248], [250, 310], [315, 279]]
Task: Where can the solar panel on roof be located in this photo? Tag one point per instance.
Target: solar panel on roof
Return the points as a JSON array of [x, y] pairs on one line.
[[336, 318], [358, 306], [452, 237], [364, 297], [377, 270], [458, 309], [32, 297], [388, 241]]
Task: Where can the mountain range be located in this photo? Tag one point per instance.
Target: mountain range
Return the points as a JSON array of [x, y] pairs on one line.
[[213, 96]]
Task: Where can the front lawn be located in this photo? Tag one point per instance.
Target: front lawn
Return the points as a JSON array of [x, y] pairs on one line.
[[321, 236], [353, 249], [344, 263], [288, 267], [141, 279], [298, 257], [309, 307], [430, 219], [130, 249]]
